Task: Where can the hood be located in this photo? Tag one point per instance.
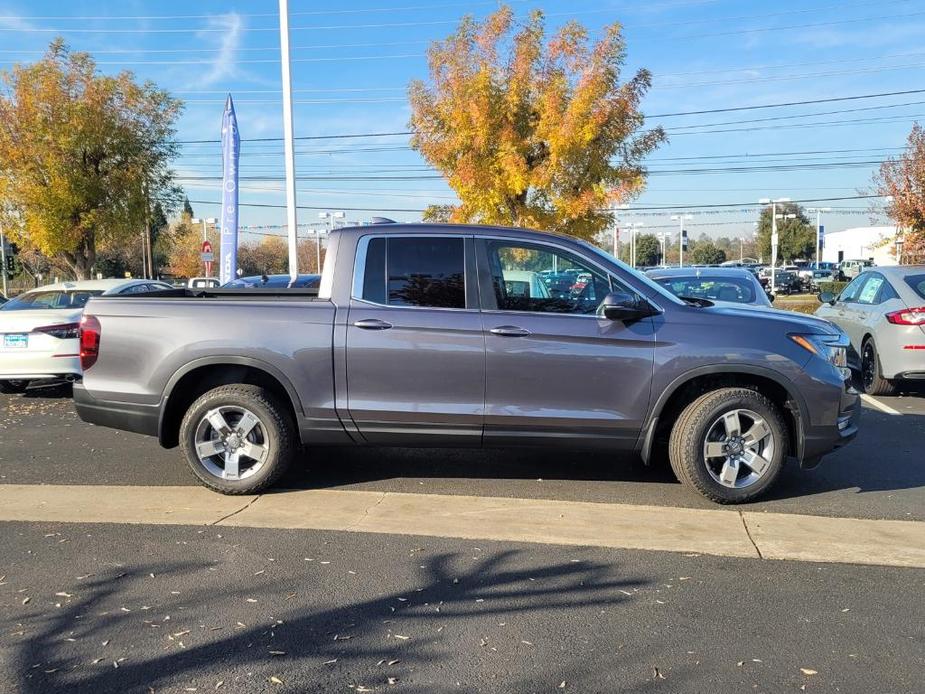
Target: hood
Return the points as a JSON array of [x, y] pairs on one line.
[[26, 321], [797, 321]]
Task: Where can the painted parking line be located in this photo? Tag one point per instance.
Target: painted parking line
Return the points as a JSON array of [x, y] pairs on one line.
[[721, 532], [876, 404]]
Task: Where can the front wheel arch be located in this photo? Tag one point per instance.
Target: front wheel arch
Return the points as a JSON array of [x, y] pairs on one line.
[[691, 385]]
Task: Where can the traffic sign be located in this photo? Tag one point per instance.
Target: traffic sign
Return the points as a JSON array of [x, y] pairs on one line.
[[207, 256]]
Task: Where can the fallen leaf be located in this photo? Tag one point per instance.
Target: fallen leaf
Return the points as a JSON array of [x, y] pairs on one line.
[[277, 652], [399, 636], [330, 662], [392, 680], [26, 601], [393, 662], [807, 671], [275, 680], [562, 686], [657, 674]]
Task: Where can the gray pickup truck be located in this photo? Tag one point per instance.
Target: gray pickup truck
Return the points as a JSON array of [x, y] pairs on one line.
[[431, 335]]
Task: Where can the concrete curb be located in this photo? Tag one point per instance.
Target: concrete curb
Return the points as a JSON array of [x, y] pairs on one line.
[[721, 532]]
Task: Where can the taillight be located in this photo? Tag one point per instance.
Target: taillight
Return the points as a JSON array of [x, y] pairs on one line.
[[63, 331], [907, 316], [89, 341]]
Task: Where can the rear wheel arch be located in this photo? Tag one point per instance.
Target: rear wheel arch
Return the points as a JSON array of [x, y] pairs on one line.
[[691, 385], [198, 377]]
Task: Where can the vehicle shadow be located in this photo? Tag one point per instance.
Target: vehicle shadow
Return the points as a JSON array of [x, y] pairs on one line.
[[356, 465], [59, 390], [320, 648], [885, 456]]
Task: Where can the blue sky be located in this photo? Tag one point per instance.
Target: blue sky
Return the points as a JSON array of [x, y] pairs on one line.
[[353, 61]]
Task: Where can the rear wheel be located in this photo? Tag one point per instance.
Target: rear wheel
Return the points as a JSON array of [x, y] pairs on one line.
[[729, 444], [13, 386], [238, 439], [872, 379]]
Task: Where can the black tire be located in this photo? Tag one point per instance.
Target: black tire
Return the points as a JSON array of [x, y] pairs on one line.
[[689, 436], [11, 387], [275, 430], [872, 380]]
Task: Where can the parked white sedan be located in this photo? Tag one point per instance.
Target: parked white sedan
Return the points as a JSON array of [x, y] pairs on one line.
[[38, 329]]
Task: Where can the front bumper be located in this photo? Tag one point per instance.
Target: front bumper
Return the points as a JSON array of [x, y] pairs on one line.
[[128, 416], [821, 439]]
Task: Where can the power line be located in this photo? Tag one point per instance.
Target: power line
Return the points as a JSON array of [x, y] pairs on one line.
[[437, 22], [651, 116], [659, 208]]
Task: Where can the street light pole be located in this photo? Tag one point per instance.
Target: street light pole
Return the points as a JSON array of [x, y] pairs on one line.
[[3, 260], [679, 218], [774, 237], [819, 211]]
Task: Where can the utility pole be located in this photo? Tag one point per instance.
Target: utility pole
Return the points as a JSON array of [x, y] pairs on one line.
[[291, 219]]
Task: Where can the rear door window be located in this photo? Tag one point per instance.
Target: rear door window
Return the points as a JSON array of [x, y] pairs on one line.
[[868, 293], [420, 271]]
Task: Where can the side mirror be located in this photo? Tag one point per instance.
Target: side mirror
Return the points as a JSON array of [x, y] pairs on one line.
[[620, 306], [827, 298], [771, 298]]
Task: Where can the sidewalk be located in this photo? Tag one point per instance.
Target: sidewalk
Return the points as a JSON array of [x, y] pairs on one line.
[[722, 532]]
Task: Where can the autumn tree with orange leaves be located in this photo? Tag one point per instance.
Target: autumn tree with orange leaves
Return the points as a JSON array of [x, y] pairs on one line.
[[903, 180], [532, 131]]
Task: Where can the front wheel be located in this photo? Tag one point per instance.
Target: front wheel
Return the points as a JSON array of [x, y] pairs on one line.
[[238, 439], [729, 444], [11, 387]]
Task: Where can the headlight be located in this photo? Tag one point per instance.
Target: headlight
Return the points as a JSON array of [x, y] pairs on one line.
[[832, 348]]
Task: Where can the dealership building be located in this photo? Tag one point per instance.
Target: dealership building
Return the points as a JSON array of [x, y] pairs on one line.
[[860, 243]]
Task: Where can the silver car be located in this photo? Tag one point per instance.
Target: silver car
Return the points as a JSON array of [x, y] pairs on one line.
[[724, 285], [883, 312]]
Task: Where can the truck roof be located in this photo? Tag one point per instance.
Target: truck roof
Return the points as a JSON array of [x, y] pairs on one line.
[[452, 229]]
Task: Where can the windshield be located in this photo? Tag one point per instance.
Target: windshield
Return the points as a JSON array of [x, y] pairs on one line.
[[52, 299], [733, 289], [917, 282], [637, 275]]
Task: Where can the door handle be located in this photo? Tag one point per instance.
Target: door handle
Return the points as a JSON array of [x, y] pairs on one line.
[[509, 331], [372, 324]]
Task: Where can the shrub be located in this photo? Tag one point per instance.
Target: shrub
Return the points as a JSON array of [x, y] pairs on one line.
[[834, 287]]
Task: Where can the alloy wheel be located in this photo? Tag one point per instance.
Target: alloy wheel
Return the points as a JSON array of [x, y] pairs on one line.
[[231, 443], [738, 448]]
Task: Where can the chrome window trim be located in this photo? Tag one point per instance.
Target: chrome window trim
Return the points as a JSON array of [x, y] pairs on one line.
[[359, 270]]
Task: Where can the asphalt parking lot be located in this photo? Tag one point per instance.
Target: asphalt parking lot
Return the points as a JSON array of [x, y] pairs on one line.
[[175, 604], [879, 475]]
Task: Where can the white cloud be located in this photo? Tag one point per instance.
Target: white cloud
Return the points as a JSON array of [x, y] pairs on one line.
[[225, 63]]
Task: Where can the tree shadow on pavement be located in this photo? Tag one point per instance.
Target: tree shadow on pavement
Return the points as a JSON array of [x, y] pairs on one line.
[[315, 647]]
